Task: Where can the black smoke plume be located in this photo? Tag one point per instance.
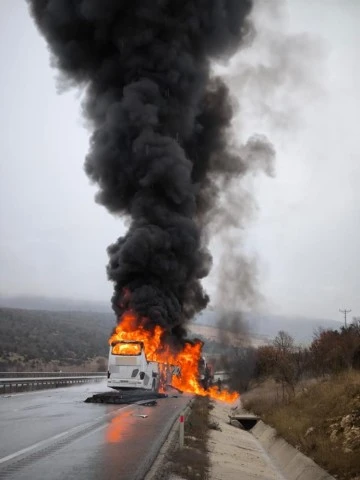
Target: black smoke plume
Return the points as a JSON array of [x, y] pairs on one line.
[[160, 141]]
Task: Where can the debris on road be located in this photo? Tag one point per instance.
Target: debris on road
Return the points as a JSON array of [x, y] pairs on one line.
[[152, 403], [126, 397]]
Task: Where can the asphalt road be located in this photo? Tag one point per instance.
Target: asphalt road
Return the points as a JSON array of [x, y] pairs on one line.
[[53, 434]]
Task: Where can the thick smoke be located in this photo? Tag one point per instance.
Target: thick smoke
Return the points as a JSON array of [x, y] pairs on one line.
[[160, 149]]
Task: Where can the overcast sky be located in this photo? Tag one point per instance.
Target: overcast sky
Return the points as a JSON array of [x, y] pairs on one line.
[[306, 235]]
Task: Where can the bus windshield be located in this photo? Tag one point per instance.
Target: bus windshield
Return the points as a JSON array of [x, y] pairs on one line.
[[123, 348]]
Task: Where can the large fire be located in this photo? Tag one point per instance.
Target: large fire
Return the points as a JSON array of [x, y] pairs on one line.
[[130, 329], [126, 349]]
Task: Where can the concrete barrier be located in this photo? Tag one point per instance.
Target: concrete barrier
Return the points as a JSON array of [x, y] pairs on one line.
[[293, 464]]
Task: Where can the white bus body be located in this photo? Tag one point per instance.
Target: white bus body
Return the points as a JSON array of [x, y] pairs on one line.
[[128, 368]]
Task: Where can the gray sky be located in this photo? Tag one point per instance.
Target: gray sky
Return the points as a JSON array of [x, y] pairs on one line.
[[306, 235]]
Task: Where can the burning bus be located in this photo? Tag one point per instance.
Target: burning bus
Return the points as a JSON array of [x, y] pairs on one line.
[[140, 359], [129, 368]]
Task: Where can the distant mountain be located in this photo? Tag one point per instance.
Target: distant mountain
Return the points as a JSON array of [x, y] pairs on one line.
[[259, 326], [54, 304], [267, 326]]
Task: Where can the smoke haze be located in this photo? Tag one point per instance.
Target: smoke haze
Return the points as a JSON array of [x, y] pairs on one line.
[[274, 76]]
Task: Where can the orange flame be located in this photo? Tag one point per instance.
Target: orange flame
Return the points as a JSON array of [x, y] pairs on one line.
[[126, 349], [130, 329]]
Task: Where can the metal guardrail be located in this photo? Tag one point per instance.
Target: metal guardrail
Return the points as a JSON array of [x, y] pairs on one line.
[[24, 384], [49, 374]]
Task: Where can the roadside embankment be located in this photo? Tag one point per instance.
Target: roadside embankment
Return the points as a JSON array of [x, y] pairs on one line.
[[218, 447], [238, 454], [322, 421]]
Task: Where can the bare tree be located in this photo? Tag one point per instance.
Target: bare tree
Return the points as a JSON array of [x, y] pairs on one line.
[[285, 367], [284, 342]]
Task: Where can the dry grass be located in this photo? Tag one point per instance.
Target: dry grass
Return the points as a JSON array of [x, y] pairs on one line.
[[322, 420], [192, 462]]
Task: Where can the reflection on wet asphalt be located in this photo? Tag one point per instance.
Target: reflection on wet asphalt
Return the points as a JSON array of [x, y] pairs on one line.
[[53, 434]]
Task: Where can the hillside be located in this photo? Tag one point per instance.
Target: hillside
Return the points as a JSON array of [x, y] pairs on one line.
[[214, 335], [70, 338], [33, 339], [266, 326], [261, 327]]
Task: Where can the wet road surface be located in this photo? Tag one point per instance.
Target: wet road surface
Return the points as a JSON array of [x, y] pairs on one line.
[[53, 434]]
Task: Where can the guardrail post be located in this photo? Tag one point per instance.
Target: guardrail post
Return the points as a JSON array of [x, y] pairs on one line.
[[181, 431]]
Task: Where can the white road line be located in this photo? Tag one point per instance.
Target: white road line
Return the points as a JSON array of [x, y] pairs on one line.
[[60, 435], [32, 447]]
